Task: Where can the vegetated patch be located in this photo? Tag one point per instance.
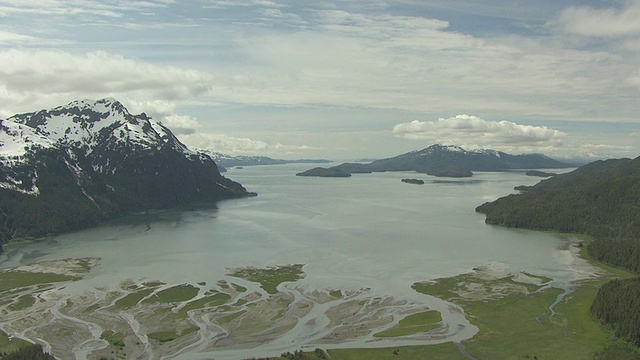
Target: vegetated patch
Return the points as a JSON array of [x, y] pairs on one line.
[[132, 299], [29, 351], [240, 302], [204, 302], [336, 294], [85, 265], [10, 344], [166, 336], [113, 338], [270, 277], [317, 354], [223, 284], [619, 351], [239, 288], [10, 280], [178, 293], [516, 322], [447, 351], [91, 308], [618, 306], [22, 302], [413, 324], [229, 318]]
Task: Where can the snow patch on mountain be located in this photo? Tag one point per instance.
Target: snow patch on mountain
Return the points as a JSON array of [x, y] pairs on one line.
[[79, 128]]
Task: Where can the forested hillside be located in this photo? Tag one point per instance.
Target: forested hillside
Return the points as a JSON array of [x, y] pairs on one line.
[[72, 166], [618, 302], [602, 200]]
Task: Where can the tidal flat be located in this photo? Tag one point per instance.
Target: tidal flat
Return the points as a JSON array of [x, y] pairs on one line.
[[152, 319], [519, 315]]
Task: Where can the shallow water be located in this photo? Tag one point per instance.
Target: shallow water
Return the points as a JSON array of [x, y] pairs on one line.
[[368, 231]]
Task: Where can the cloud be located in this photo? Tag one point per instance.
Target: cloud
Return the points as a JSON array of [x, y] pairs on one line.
[[388, 61], [476, 132], [233, 145], [7, 37], [224, 143], [601, 22], [103, 9], [243, 3], [44, 78], [181, 124]]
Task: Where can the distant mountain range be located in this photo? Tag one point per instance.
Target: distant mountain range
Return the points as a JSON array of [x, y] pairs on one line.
[[75, 165], [225, 161], [447, 161]]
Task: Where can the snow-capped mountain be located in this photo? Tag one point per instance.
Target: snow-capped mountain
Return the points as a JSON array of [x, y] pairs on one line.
[[454, 161], [226, 161], [73, 165]]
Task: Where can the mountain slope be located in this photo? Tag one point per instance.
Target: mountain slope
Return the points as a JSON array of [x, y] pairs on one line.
[[601, 199], [226, 161], [75, 165], [443, 160]]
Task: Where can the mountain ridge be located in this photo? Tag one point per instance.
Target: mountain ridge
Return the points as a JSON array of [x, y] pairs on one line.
[[225, 161], [599, 199], [72, 166], [453, 161]]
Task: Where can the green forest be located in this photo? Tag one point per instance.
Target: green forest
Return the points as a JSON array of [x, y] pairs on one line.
[[602, 201], [32, 352], [618, 302], [71, 199]]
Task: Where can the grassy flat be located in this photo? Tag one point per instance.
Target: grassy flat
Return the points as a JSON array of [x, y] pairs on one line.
[[11, 344], [271, 277], [10, 280], [207, 301], [132, 299], [113, 338], [514, 325], [446, 351], [179, 293], [22, 303], [414, 324], [166, 336]]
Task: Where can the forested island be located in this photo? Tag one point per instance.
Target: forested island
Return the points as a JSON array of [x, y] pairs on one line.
[[602, 201], [444, 161]]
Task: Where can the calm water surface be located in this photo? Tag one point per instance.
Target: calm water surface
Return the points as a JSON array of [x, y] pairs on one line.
[[367, 231]]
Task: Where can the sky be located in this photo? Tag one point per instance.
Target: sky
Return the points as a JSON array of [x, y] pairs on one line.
[[340, 79]]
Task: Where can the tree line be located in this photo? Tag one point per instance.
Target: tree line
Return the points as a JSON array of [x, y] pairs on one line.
[[602, 200]]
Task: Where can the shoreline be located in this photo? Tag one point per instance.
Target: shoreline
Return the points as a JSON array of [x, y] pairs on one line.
[[223, 322]]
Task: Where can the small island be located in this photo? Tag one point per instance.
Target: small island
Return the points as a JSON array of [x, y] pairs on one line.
[[450, 171], [324, 172], [413, 181]]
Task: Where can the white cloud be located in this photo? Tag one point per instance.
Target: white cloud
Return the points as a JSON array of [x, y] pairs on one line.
[[601, 22], [234, 145], [8, 37], [224, 143], [468, 129], [42, 78], [110, 9], [181, 124], [343, 58], [243, 3]]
